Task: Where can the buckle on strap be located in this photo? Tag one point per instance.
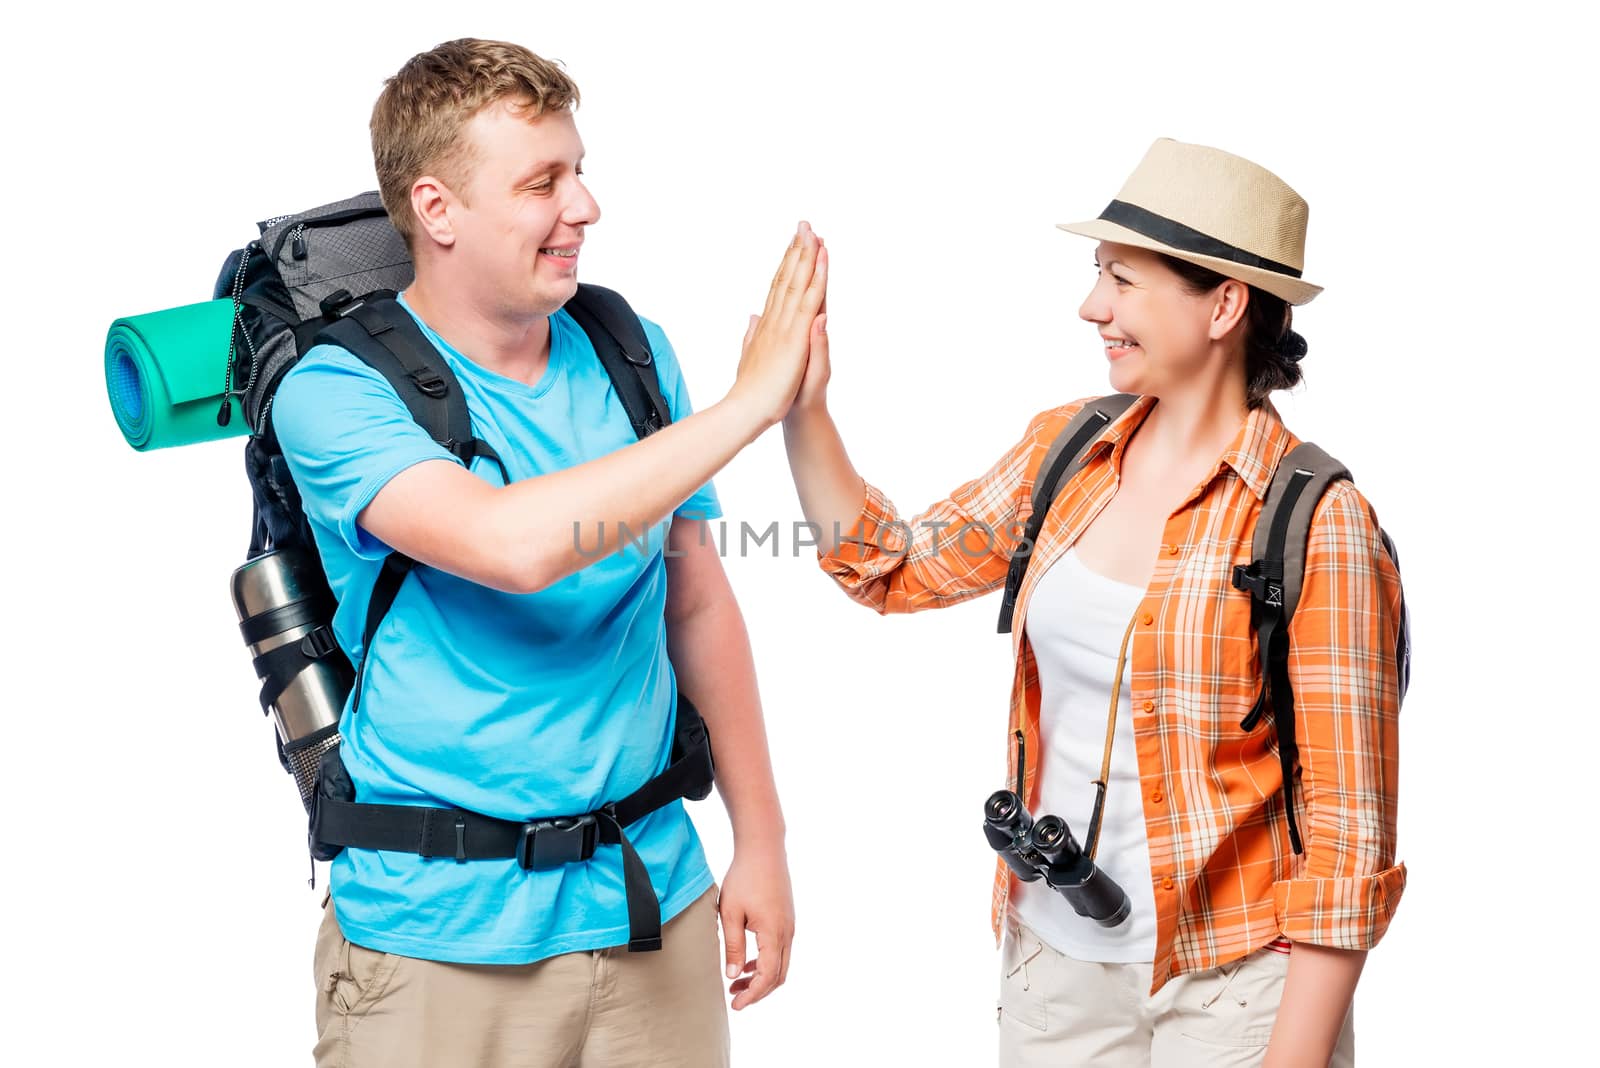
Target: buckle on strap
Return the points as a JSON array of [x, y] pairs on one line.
[[319, 643], [546, 844], [429, 382], [1254, 579], [339, 303]]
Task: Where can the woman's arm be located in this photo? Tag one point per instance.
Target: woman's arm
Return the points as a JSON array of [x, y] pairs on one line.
[[1347, 703], [957, 549], [1316, 998], [830, 490]]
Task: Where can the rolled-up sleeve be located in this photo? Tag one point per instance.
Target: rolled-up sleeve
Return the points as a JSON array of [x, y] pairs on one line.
[[1346, 682], [955, 550]]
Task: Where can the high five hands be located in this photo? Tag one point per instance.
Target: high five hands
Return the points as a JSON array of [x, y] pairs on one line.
[[784, 361]]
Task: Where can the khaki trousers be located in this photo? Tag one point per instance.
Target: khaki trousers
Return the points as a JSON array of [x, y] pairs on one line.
[[1060, 1012], [607, 1008]]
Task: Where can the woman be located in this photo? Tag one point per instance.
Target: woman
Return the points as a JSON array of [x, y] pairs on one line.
[[1238, 949]]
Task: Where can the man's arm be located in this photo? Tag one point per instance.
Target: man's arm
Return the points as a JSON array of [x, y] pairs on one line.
[[521, 538], [710, 653]]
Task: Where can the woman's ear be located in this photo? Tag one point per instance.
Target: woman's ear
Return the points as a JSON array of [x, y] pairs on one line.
[[1231, 299]]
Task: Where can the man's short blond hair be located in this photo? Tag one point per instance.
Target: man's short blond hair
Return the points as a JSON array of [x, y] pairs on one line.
[[418, 120]]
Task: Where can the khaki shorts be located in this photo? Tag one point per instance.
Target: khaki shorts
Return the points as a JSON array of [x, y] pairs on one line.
[[1055, 1010], [577, 1010]]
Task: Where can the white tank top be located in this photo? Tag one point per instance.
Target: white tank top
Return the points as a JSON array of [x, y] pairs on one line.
[[1076, 620]]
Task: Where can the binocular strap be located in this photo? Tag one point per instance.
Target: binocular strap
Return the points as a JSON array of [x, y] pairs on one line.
[[1093, 839]]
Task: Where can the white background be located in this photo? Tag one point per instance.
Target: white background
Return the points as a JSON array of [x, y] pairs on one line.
[[156, 908]]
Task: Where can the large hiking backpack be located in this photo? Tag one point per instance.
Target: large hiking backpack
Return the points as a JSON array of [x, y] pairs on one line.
[[330, 275], [1272, 578]]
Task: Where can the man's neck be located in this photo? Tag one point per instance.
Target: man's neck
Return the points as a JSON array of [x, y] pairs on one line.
[[515, 347]]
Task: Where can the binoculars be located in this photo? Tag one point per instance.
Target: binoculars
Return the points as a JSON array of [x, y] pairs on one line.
[[1046, 850]]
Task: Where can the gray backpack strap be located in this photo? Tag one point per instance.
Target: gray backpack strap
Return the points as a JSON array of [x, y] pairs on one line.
[[1061, 462], [1303, 475], [1273, 579]]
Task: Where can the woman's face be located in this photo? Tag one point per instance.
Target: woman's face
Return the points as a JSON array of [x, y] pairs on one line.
[[1157, 335]]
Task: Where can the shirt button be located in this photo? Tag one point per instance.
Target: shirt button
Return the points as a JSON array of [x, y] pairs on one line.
[[1149, 706], [1166, 883], [1157, 795], [1147, 619], [1172, 550]]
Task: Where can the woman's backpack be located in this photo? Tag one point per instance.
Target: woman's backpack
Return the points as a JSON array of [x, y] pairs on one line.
[[1272, 578]]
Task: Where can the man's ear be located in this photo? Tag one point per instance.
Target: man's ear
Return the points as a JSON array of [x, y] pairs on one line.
[[431, 201]]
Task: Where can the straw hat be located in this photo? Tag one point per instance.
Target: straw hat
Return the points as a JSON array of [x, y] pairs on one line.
[[1210, 207]]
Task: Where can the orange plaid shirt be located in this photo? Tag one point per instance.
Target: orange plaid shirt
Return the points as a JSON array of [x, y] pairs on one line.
[[1226, 879]]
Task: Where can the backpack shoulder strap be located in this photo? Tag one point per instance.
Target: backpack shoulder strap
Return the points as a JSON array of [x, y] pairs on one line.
[[1063, 456], [1302, 477], [624, 351], [385, 337], [1273, 579]]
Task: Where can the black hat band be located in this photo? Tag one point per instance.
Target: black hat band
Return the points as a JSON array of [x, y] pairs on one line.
[[1174, 234]]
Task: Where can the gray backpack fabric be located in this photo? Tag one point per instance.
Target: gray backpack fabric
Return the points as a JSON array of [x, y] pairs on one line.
[[279, 281]]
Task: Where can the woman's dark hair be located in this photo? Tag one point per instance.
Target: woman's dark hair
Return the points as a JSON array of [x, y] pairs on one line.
[[1272, 351]]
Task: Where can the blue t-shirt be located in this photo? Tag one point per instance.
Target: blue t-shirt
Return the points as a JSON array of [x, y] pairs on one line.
[[519, 706]]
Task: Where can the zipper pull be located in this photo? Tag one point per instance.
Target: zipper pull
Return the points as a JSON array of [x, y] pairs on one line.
[[297, 242], [225, 413]]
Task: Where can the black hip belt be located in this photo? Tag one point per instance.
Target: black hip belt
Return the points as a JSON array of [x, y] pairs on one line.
[[338, 821]]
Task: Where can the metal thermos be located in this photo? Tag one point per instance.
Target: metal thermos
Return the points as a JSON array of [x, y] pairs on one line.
[[281, 597]]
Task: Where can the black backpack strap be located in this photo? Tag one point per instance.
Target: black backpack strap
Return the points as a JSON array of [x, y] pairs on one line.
[[1273, 579], [537, 844], [396, 566], [624, 351], [277, 668], [1064, 453], [384, 336]]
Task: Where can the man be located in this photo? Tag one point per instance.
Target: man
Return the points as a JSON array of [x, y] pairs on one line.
[[530, 667]]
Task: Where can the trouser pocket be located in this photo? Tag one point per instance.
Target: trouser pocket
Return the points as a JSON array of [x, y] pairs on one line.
[[1022, 980], [350, 977], [1234, 1005]]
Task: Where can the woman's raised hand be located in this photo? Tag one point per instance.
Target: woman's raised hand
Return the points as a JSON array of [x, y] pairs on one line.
[[813, 395]]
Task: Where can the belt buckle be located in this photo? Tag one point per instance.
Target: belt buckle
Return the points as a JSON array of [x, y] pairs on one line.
[[546, 844]]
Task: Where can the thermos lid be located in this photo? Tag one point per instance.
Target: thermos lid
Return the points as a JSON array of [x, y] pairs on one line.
[[274, 580]]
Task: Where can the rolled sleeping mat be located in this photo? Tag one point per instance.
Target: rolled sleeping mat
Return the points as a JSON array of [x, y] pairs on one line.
[[165, 375]]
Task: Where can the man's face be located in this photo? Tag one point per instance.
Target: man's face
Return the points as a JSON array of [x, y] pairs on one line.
[[520, 221]]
